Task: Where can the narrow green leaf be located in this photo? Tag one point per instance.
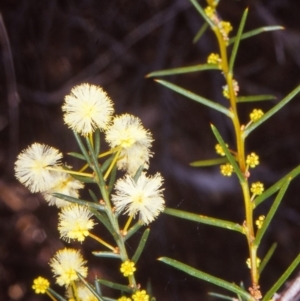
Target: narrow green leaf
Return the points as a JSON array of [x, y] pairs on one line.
[[138, 173], [141, 246], [271, 213], [268, 296], [83, 179], [107, 163], [95, 164], [93, 291], [182, 70], [206, 277], [103, 219], [77, 201], [97, 142], [195, 97], [210, 162], [275, 187], [112, 179], [230, 158], [202, 13], [266, 259], [94, 197], [254, 98], [56, 295], [82, 148], [237, 40], [200, 32], [204, 219], [116, 286], [271, 112], [106, 254], [220, 296], [255, 32], [133, 229], [97, 287], [76, 155]]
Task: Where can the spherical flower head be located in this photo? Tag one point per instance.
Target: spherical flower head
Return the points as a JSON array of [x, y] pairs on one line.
[[219, 150], [140, 296], [257, 188], [31, 166], [248, 262], [252, 160], [86, 108], [259, 222], [75, 222], [143, 196], [66, 264], [127, 268], [65, 184], [40, 285], [214, 59], [226, 169], [128, 134], [123, 298], [256, 114]]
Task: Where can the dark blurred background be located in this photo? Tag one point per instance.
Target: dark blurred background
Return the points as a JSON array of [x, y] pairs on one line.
[[58, 44]]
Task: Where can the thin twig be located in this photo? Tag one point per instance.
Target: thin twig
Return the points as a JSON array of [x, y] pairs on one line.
[[12, 94]]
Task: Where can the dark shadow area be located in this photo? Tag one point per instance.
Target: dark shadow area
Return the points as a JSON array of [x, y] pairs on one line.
[[58, 44]]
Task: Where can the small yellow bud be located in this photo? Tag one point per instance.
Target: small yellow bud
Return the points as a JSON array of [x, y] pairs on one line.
[[219, 149], [209, 11], [257, 188], [259, 222], [226, 26], [252, 160], [127, 268], [40, 285], [236, 89], [214, 58], [248, 262], [256, 114], [226, 169], [140, 296]]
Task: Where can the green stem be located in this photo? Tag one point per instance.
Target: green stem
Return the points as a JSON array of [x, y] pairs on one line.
[[240, 144]]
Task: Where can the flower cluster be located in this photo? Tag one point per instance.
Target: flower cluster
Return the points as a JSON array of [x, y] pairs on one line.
[[127, 268], [214, 58], [259, 222], [75, 223], [137, 296], [37, 167], [252, 160], [66, 264], [226, 169], [257, 188], [86, 109], [219, 149], [129, 136], [40, 285], [256, 114], [143, 196]]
